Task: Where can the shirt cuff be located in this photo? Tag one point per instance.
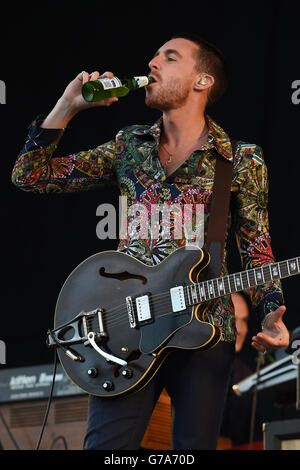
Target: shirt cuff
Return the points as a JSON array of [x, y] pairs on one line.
[[269, 304], [39, 137]]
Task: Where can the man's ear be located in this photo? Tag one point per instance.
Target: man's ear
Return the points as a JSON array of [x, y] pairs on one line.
[[204, 81]]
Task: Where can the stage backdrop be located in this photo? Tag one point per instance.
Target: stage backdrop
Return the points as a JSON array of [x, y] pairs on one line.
[[44, 46]]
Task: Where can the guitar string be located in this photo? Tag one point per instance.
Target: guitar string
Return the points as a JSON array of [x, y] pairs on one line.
[[118, 319], [166, 294], [164, 303], [226, 277]]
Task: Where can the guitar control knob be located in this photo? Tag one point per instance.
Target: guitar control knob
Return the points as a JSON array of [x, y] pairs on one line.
[[93, 372], [108, 385], [127, 372]]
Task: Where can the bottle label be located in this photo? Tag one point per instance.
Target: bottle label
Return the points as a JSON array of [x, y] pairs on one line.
[[141, 81], [110, 83]]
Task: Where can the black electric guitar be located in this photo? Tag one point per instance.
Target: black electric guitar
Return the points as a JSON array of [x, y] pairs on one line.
[[117, 319]]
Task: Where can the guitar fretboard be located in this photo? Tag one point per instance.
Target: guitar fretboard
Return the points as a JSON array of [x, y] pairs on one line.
[[214, 288]]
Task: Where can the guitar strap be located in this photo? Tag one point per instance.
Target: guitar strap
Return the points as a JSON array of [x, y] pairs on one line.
[[215, 241]]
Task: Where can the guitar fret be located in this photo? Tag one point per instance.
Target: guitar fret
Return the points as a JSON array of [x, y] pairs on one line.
[[259, 275], [188, 295], [199, 293], [270, 272], [216, 287], [292, 265], [238, 281], [231, 283], [226, 285], [275, 271], [194, 294], [221, 286], [247, 272], [288, 267], [251, 278], [206, 290], [266, 273], [202, 290], [211, 290], [245, 281]]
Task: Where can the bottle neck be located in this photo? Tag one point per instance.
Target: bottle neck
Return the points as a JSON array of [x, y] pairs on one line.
[[136, 82]]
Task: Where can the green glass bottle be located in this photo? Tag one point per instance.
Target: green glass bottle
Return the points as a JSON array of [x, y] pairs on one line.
[[104, 88]]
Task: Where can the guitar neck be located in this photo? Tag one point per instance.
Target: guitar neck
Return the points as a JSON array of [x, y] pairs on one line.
[[215, 288]]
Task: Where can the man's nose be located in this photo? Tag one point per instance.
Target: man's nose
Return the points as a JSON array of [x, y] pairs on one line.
[[154, 63]]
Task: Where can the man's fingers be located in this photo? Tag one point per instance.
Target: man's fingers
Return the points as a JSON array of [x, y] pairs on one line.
[[279, 312], [258, 346], [263, 342], [84, 76], [95, 75], [259, 343], [107, 75], [110, 101]]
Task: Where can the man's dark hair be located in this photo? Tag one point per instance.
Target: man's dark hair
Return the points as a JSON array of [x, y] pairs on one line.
[[212, 61]]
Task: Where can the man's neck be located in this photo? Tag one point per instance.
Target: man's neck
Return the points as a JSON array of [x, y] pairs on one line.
[[182, 127]]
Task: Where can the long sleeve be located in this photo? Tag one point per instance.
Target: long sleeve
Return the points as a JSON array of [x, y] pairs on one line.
[[36, 169], [252, 230]]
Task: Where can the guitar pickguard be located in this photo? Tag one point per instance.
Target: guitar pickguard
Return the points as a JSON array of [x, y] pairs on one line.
[[154, 335]]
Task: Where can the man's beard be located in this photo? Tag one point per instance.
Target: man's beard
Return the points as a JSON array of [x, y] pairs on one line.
[[173, 95]]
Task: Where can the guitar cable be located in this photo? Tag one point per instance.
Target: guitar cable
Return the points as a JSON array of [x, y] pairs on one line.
[[49, 400], [45, 417]]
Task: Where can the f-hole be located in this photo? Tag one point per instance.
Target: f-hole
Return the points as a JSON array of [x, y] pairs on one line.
[[123, 276]]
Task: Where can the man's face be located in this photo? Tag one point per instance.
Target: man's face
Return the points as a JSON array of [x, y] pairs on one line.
[[174, 69]]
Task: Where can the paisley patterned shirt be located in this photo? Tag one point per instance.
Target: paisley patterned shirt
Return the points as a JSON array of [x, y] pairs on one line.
[[131, 161]]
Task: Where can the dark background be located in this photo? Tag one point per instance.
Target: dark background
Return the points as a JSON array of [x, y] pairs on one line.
[[44, 46]]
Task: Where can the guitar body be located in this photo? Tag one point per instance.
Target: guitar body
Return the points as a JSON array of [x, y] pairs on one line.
[[104, 281]]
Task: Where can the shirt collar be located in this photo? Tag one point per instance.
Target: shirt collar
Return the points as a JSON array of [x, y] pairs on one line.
[[217, 137]]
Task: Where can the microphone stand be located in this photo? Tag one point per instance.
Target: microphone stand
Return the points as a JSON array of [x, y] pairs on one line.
[[298, 385]]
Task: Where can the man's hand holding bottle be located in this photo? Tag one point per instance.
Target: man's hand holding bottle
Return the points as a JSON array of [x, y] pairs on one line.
[[72, 101]]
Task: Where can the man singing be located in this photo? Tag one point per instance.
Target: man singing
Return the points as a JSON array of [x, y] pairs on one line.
[[169, 162]]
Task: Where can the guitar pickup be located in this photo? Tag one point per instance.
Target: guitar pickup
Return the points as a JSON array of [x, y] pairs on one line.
[[138, 310], [143, 308], [177, 299]]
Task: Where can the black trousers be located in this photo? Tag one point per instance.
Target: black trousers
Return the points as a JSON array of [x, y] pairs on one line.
[[197, 384]]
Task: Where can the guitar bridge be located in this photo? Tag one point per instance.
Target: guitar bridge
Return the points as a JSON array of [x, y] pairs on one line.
[[79, 327], [87, 325]]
